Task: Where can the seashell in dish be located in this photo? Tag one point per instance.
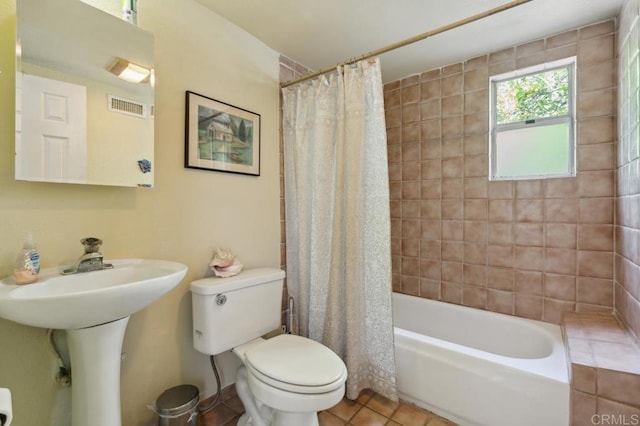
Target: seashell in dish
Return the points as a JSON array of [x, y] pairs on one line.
[[225, 264]]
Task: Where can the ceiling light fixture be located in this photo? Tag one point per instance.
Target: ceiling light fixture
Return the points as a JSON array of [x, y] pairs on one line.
[[130, 72]]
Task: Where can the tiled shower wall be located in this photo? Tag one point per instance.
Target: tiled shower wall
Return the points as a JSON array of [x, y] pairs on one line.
[[531, 248], [627, 259]]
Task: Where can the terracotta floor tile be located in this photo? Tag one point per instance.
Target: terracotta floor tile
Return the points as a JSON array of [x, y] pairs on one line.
[[345, 409], [219, 415], [439, 421], [232, 422], [235, 404], [365, 396], [408, 415], [368, 417], [382, 405], [325, 418]]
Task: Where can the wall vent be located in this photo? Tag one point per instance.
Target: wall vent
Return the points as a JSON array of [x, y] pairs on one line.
[[127, 106]]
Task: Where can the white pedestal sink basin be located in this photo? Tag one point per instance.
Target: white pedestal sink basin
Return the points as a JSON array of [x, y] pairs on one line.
[[94, 308]]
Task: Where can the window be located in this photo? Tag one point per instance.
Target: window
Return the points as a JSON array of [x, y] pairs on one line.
[[532, 122]]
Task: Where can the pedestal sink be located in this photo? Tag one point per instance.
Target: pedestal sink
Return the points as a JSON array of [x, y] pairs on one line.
[[93, 308]]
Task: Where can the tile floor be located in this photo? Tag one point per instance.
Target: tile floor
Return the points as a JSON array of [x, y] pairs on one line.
[[370, 409]]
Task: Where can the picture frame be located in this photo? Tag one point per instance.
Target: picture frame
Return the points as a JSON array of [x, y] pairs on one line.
[[221, 137]]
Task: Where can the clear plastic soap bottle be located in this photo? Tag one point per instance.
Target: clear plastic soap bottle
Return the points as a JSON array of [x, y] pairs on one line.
[[27, 265]]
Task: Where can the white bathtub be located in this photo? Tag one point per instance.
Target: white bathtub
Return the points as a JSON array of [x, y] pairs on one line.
[[476, 367]]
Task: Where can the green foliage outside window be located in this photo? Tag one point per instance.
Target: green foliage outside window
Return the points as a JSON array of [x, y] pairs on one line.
[[534, 96]]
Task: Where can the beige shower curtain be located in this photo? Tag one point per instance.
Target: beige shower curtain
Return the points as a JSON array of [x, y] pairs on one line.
[[338, 226]]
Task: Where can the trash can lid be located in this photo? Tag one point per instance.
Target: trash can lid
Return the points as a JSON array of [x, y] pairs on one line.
[[177, 400]]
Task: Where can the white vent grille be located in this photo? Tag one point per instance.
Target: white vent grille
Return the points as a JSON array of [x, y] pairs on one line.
[[127, 106]]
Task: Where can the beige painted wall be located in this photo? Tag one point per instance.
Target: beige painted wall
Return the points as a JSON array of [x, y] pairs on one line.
[[184, 218]]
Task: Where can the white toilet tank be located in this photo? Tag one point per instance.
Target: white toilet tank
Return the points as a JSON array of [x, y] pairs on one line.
[[228, 312]]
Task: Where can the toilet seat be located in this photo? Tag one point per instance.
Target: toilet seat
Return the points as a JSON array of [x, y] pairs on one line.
[[296, 364]]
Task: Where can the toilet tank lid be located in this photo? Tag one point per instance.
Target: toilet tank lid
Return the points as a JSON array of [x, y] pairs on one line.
[[246, 278]]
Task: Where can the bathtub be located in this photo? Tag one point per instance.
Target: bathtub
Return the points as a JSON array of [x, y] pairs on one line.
[[476, 367]]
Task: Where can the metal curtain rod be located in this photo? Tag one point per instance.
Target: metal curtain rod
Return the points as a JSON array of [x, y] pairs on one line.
[[410, 40]]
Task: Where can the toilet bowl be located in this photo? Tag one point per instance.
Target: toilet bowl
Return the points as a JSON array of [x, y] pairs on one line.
[[284, 380], [293, 376]]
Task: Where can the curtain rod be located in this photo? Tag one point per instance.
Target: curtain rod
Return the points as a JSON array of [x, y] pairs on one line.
[[410, 40]]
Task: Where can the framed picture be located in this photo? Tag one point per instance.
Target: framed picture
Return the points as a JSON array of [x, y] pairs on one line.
[[221, 137]]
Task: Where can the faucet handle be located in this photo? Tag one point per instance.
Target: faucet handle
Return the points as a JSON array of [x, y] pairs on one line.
[[91, 244]]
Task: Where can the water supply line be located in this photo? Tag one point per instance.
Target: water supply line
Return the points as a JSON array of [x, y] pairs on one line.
[[290, 318], [218, 391]]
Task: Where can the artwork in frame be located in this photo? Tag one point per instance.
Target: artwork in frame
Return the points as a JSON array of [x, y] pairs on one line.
[[221, 137]]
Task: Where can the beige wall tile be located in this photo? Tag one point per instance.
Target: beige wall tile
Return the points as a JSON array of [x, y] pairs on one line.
[[410, 94], [452, 126], [500, 233], [475, 253], [596, 130], [583, 407], [529, 210], [595, 237], [475, 297], [474, 275], [562, 287], [596, 103], [623, 387], [477, 79], [411, 80], [529, 49], [528, 306], [476, 165], [595, 291], [597, 29], [596, 49], [560, 235], [430, 75], [596, 157], [475, 187], [500, 301], [596, 210], [452, 147], [595, 264], [430, 89], [500, 278], [600, 75], [452, 85], [529, 234], [561, 210], [561, 261], [452, 105], [430, 109], [528, 282], [502, 55], [410, 113], [563, 39]]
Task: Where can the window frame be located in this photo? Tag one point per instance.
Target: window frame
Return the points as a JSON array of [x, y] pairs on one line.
[[570, 117]]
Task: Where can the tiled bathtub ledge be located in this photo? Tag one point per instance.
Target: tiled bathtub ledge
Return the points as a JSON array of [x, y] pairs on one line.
[[605, 369]]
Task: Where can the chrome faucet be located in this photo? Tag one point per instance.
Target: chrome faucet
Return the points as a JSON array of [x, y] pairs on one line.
[[91, 260]]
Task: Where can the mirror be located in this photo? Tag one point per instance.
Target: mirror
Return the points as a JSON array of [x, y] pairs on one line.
[[76, 120]]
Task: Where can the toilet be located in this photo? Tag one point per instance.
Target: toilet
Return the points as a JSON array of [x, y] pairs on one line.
[[284, 380]]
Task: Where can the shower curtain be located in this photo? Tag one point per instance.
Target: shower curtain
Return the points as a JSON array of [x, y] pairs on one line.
[[337, 220]]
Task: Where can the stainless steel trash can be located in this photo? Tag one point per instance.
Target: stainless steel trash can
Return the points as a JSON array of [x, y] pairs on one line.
[[178, 406]]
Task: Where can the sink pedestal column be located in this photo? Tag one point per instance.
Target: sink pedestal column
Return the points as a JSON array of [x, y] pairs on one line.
[[95, 359]]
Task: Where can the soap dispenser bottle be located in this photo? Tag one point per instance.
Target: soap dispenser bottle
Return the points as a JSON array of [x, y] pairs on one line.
[[27, 262]]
